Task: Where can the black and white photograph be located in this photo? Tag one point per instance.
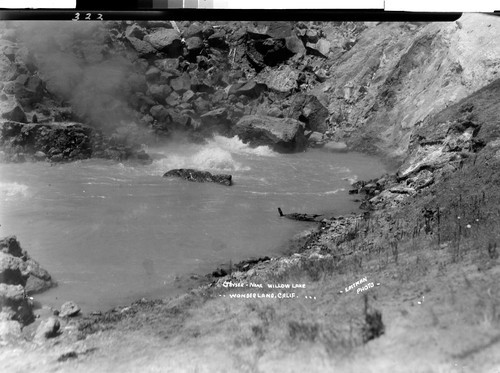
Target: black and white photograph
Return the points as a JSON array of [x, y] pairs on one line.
[[250, 196]]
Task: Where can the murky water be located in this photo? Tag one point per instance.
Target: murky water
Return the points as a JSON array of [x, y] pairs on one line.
[[110, 232]]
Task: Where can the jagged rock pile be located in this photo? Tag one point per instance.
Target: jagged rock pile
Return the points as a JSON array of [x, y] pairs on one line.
[[205, 77], [20, 276], [365, 85]]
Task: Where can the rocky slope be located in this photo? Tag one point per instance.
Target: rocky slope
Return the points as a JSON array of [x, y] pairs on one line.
[[366, 84]]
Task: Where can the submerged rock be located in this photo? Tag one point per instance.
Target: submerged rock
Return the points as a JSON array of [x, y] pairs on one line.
[[199, 176]]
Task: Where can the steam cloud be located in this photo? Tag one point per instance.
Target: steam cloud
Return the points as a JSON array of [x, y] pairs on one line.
[[78, 65]]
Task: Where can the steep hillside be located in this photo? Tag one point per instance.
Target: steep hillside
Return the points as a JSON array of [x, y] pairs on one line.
[[402, 73]]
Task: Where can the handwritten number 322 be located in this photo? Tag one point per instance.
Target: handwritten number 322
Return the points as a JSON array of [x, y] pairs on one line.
[[88, 17]]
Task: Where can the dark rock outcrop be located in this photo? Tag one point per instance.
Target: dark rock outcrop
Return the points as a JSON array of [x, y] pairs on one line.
[[200, 176], [282, 134], [17, 268], [19, 276]]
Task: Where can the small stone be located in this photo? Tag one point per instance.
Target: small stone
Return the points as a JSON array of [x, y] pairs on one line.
[[69, 309]]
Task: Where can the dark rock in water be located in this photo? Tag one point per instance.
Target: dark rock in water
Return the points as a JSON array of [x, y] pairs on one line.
[[283, 134], [48, 329], [69, 309], [300, 216], [200, 176]]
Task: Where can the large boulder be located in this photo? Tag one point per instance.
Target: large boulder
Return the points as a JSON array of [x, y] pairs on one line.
[[28, 90], [250, 89], [25, 272], [181, 84], [143, 48], [281, 80], [320, 49], [135, 31], [199, 176], [159, 92], [216, 119], [11, 110], [308, 109], [194, 45], [295, 45], [167, 41], [282, 134], [10, 245]]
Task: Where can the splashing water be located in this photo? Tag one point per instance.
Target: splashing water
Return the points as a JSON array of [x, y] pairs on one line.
[[215, 156], [14, 190]]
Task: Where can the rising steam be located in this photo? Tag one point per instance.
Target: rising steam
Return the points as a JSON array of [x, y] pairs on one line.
[[79, 64]]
